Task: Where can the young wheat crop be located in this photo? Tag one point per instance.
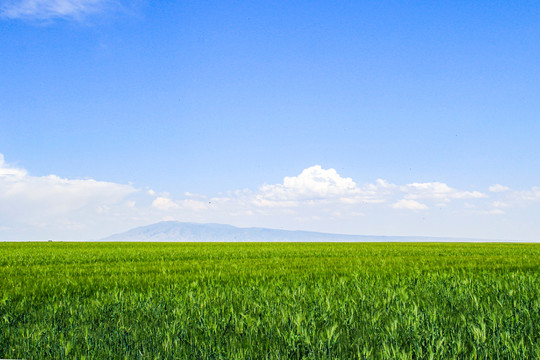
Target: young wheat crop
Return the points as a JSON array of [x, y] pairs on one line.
[[269, 301]]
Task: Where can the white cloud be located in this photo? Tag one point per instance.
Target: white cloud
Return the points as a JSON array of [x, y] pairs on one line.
[[530, 195], [165, 204], [194, 196], [516, 197], [51, 9], [13, 172], [500, 204], [498, 188], [53, 194], [379, 192], [407, 204], [314, 183], [27, 200], [439, 191], [315, 186]]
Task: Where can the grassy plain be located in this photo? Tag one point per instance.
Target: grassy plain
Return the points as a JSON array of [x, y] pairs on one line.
[[269, 301]]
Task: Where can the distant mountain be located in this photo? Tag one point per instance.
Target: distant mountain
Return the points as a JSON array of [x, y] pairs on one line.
[[194, 232]]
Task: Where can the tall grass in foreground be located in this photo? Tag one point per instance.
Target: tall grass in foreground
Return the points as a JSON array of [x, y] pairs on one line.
[[269, 301]]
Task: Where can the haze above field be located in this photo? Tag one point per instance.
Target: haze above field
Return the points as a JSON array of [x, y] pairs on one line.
[[358, 118]]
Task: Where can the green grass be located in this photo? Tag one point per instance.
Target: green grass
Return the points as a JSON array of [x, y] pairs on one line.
[[269, 301]]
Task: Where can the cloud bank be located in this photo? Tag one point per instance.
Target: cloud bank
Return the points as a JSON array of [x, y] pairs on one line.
[[50, 201], [39, 207]]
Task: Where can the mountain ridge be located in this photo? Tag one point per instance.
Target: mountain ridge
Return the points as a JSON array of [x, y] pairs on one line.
[[176, 231]]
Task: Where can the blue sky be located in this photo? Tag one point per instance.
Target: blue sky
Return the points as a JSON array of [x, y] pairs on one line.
[[387, 118]]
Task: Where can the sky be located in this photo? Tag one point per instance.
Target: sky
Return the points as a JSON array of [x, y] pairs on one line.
[[357, 117]]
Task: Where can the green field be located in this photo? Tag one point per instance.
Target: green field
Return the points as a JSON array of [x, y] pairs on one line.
[[269, 301]]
